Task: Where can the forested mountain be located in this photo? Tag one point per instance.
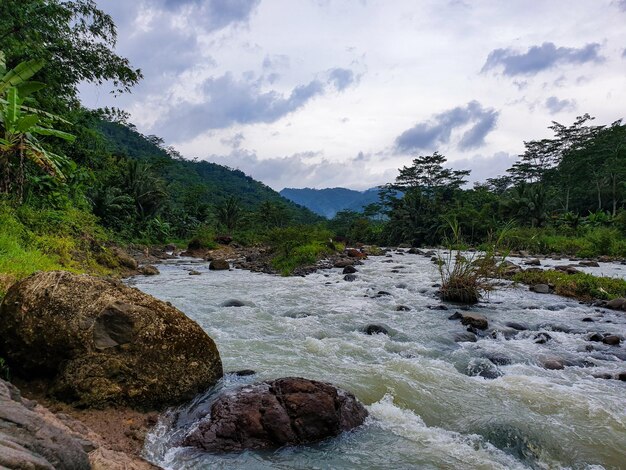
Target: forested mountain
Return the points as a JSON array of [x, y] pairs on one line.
[[327, 202], [195, 181]]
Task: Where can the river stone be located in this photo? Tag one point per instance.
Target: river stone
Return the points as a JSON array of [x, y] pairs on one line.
[[589, 264], [349, 277], [475, 320], [29, 441], [483, 368], [272, 414], [533, 262], [375, 329], [193, 272], [98, 342], [465, 337], [354, 253], [349, 270], [542, 338], [499, 359], [617, 304], [597, 337], [553, 364], [233, 303], [149, 270], [612, 340], [402, 308], [517, 326], [219, 265], [540, 288]]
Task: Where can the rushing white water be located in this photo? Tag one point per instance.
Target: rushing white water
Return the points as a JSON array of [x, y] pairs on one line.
[[427, 409]]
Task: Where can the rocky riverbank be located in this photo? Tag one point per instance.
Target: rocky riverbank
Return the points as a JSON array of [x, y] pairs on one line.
[[98, 353], [98, 360]]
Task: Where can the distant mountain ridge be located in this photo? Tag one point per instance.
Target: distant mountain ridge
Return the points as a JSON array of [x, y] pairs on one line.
[[327, 202]]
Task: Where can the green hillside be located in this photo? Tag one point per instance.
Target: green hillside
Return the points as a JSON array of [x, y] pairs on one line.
[[209, 183]]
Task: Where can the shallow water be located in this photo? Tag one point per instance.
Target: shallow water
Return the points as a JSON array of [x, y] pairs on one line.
[[428, 408]]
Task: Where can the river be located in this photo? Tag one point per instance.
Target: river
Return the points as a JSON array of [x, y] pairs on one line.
[[429, 405]]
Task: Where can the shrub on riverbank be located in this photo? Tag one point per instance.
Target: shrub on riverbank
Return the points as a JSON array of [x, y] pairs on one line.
[[294, 247], [43, 240], [580, 286], [584, 242]]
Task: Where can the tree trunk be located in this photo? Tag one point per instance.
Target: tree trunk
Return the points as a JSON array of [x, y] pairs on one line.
[[614, 180], [599, 195], [21, 174]]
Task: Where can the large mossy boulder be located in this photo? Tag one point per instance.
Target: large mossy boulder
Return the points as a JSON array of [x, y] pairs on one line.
[[272, 414], [98, 342]]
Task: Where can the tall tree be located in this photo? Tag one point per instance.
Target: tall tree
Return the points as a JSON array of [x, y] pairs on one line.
[[76, 40], [428, 173]]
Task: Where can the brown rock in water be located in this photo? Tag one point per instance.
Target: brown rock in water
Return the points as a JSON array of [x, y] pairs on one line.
[[354, 253], [612, 340], [219, 265], [268, 415], [99, 342], [474, 319], [553, 364]]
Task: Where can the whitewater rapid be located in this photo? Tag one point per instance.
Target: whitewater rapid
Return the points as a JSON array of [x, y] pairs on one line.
[[428, 407]]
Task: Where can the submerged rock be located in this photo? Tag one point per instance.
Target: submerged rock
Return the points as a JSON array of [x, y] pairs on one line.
[[268, 415], [483, 368], [542, 338], [233, 303], [375, 329], [517, 326], [98, 342], [349, 277], [465, 337], [349, 270], [193, 272]]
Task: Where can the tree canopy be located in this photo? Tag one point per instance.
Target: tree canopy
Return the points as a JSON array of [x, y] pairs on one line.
[[75, 39]]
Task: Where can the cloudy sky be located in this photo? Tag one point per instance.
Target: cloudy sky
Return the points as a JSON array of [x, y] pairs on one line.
[[325, 93]]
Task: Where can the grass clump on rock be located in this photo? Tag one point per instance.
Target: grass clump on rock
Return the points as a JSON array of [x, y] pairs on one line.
[[465, 279]]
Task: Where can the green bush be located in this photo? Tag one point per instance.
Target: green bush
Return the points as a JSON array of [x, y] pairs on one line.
[[297, 246], [203, 237]]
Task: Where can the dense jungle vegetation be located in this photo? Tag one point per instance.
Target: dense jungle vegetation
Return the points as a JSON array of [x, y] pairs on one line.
[[74, 181]]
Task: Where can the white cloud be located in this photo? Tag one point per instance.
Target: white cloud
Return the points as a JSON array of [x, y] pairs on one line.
[[390, 65]]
